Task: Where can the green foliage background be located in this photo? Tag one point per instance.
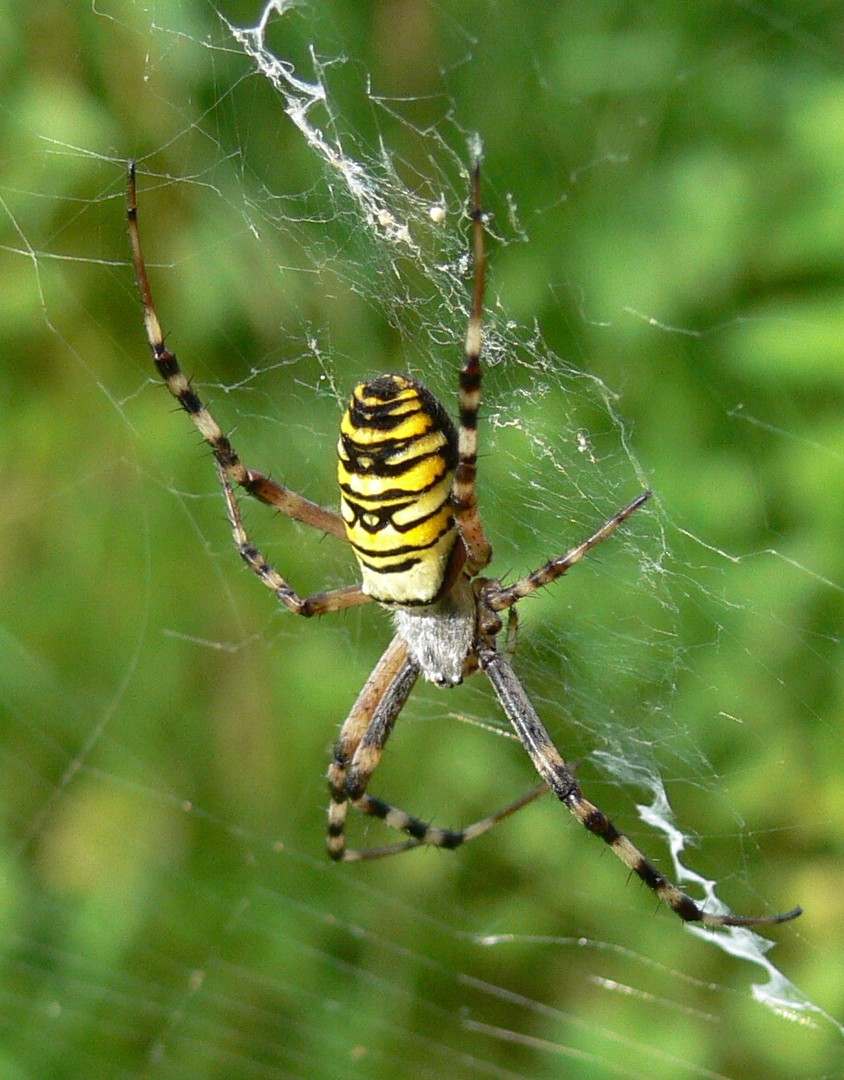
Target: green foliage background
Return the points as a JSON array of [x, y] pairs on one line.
[[165, 907]]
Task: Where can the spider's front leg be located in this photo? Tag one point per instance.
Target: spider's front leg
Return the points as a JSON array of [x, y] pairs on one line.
[[230, 468], [255, 483], [464, 492]]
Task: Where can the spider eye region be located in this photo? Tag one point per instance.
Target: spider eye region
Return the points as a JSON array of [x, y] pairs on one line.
[[397, 454]]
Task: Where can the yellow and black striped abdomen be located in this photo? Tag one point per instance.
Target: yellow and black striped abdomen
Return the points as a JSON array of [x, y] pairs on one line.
[[397, 455]]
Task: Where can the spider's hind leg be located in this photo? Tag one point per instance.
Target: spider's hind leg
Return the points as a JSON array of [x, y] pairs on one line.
[[421, 833], [559, 776], [358, 753]]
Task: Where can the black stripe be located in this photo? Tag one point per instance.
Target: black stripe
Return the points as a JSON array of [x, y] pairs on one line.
[[167, 364], [470, 378], [687, 909], [190, 402], [598, 823], [649, 874], [380, 417], [383, 447], [385, 516], [365, 553], [380, 467], [388, 392], [395, 493], [397, 568]]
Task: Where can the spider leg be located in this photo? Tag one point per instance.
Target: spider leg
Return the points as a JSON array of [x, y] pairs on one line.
[[560, 778], [498, 597], [377, 706], [318, 604], [463, 493], [424, 834], [358, 753], [255, 483]]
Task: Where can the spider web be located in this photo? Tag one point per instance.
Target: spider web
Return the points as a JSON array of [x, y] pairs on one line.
[[662, 311]]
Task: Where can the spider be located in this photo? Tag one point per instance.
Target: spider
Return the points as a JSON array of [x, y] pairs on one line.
[[408, 507]]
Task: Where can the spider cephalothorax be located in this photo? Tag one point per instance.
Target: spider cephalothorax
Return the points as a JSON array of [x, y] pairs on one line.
[[409, 511]]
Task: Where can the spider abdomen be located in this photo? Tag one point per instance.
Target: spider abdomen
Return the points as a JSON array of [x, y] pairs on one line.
[[397, 455]]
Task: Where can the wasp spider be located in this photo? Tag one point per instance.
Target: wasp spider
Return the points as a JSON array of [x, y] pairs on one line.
[[408, 508]]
